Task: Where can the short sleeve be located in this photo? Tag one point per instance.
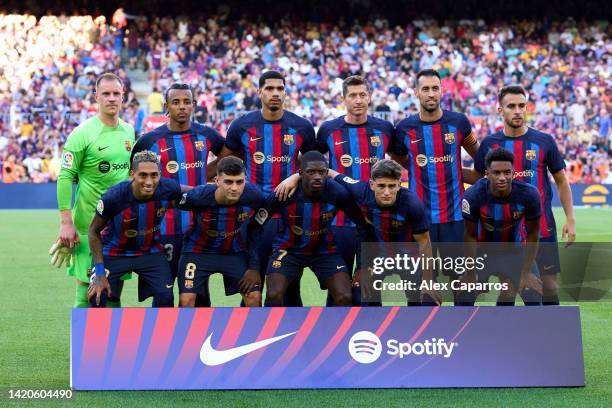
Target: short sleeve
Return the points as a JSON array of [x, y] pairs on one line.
[[308, 137], [479, 160], [321, 139], [234, 136], [417, 216], [106, 205], [554, 160], [470, 206], [216, 140], [465, 127], [399, 147], [201, 196], [355, 187], [533, 205]]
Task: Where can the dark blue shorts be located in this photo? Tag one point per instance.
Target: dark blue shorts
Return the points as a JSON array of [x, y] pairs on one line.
[[507, 266], [153, 274], [195, 269], [173, 245], [547, 258], [449, 232], [290, 265], [347, 241]]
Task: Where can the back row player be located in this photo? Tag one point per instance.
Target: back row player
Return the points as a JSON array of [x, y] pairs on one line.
[[183, 147]]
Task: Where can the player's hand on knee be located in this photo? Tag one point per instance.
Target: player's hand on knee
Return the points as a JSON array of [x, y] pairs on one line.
[[433, 294], [249, 281], [363, 280], [530, 281], [61, 254], [97, 285]]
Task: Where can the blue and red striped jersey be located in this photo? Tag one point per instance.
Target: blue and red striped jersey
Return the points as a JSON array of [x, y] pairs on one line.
[[218, 229], [501, 219], [397, 223], [353, 149], [133, 227], [305, 221], [535, 154], [270, 148], [434, 159], [183, 157]]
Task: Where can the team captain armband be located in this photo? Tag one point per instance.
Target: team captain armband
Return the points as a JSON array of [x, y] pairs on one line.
[[469, 140]]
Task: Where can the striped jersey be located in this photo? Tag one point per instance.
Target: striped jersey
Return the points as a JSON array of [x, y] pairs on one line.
[[353, 149], [501, 219], [133, 227], [270, 148], [218, 229], [183, 157], [305, 221], [535, 154], [434, 160]]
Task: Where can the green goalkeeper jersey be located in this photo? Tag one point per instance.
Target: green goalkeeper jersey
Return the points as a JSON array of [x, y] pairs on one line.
[[97, 156]]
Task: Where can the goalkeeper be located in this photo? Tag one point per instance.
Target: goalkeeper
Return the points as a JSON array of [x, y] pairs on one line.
[[97, 155]]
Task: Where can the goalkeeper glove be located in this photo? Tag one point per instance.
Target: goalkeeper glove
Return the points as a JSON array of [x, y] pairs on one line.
[[61, 254]]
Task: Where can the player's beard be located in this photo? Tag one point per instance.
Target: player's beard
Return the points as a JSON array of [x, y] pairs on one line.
[[274, 108], [513, 126], [431, 110]]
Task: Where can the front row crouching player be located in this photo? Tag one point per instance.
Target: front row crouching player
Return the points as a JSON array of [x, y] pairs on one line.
[[124, 235], [215, 242], [499, 209], [305, 239]]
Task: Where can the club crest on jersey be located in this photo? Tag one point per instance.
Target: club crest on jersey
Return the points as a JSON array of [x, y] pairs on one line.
[[396, 223], [449, 138], [160, 212], [128, 146], [530, 154], [327, 216], [199, 145], [517, 214], [375, 141], [243, 216], [288, 139]]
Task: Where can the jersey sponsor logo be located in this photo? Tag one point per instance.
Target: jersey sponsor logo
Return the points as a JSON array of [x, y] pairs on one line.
[[213, 233], [100, 148], [260, 158], [172, 167], [530, 154], [211, 357], [347, 161], [365, 347], [488, 226], [288, 139], [297, 230], [422, 160], [350, 180], [465, 206], [67, 160], [524, 173], [199, 145], [449, 138], [104, 167], [100, 207], [131, 233], [128, 146], [261, 216], [122, 166], [375, 141]]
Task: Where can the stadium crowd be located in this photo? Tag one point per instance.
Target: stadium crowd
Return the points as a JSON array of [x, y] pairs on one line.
[[47, 68]]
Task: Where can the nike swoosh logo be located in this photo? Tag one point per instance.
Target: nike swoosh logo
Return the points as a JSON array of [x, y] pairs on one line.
[[208, 219], [102, 148], [339, 143], [169, 286], [165, 150], [211, 357], [294, 216], [257, 138], [130, 220], [415, 141], [339, 267], [549, 267]]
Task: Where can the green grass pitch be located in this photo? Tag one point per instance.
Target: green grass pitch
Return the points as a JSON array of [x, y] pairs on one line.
[[35, 323]]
